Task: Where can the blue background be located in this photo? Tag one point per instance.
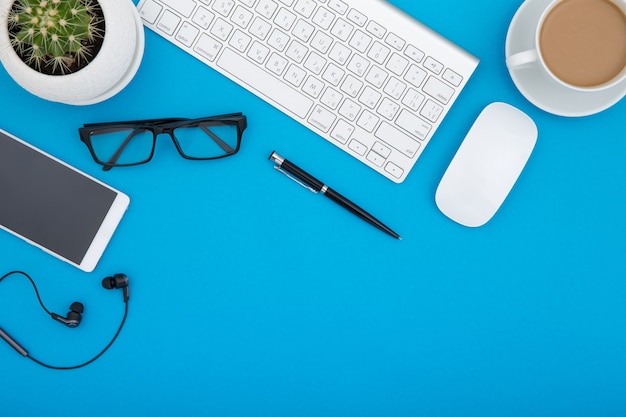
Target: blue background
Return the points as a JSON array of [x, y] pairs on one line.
[[251, 296]]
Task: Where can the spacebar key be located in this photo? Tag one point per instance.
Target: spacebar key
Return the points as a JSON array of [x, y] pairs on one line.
[[265, 83]]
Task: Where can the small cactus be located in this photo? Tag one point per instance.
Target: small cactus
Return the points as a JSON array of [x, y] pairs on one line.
[[56, 36]]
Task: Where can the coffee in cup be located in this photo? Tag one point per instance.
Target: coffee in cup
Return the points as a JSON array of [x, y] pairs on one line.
[[579, 43]]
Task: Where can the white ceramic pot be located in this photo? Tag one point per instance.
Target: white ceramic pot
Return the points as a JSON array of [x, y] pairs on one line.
[[109, 72]]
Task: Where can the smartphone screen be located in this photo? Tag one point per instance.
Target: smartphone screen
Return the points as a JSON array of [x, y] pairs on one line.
[[54, 206]]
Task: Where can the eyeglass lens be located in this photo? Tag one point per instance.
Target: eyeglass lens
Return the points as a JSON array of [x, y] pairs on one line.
[[207, 140]]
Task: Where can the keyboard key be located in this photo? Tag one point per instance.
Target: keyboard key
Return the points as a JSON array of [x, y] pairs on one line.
[[260, 28], [437, 89], [303, 30], [357, 17], [379, 53], [413, 99], [323, 18], [358, 65], [275, 90], [349, 109], [340, 53], [376, 77], [413, 124], [397, 64], [168, 22], [208, 47], [431, 111], [394, 170], [381, 149], [375, 158], [240, 41], [398, 140], [415, 76], [342, 131], [433, 65], [342, 29], [368, 121], [376, 29], [285, 19], [221, 29], [276, 64], [305, 7], [184, 7], [360, 41], [415, 54], [395, 88], [258, 52], [338, 6], [278, 40], [187, 34], [297, 51], [315, 63], [333, 74], [331, 98], [351, 86], [223, 7], [358, 147], [322, 118], [321, 42], [370, 97], [150, 11], [452, 77], [313, 87], [266, 8], [388, 108], [295, 75], [242, 17], [395, 41], [203, 18]]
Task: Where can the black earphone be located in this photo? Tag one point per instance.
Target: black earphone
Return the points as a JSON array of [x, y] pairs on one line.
[[72, 319]]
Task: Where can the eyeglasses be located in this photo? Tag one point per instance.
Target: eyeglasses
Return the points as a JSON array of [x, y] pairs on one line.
[[117, 144]]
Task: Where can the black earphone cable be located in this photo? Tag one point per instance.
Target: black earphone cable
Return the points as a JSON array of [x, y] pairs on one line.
[[32, 282], [67, 368]]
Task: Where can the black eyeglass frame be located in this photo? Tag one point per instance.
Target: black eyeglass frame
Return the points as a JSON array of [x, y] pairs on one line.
[[166, 126]]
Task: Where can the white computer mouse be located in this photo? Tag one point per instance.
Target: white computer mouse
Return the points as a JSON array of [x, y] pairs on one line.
[[487, 165]]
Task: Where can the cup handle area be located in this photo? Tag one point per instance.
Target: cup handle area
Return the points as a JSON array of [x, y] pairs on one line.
[[522, 59]]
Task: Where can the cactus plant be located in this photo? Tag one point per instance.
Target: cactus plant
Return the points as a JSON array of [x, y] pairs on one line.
[[56, 36]]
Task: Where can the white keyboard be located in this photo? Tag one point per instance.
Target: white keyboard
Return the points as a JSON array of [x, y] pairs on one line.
[[360, 73]]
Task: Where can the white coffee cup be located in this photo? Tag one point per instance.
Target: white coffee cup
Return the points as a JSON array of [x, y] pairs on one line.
[[535, 57]]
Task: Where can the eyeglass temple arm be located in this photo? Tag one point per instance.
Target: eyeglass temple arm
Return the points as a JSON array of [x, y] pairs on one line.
[[225, 147], [113, 159]]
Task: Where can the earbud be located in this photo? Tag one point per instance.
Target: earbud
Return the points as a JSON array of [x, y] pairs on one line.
[[117, 281], [73, 317]]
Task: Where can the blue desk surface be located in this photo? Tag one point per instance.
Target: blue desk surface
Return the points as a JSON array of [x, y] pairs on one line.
[[253, 297]]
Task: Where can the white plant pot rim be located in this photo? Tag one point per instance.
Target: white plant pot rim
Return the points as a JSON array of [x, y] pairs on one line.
[[123, 45], [133, 67]]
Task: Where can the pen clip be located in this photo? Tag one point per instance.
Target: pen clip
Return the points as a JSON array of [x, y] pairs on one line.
[[291, 177]]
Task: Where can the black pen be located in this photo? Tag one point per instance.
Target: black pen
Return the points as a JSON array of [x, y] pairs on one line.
[[315, 185]]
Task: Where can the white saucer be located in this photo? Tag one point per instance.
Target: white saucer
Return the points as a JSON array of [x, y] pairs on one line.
[[540, 89]]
